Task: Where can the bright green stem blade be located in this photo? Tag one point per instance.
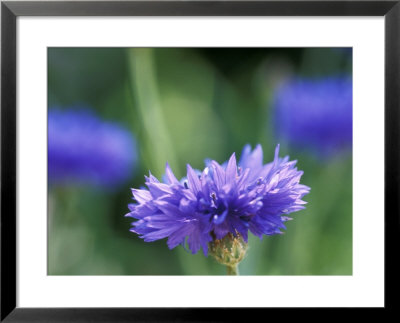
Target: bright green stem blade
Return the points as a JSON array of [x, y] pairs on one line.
[[158, 144]]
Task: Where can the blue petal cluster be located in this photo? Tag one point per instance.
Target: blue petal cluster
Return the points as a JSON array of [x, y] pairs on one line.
[[315, 114], [207, 205], [83, 149]]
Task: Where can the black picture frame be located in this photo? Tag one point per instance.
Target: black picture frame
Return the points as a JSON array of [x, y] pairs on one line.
[[11, 10]]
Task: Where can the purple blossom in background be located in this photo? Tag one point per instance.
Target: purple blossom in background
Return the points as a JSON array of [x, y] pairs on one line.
[[315, 114], [219, 200], [83, 149]]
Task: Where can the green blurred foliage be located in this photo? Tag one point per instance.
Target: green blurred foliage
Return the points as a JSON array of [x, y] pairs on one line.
[[185, 105]]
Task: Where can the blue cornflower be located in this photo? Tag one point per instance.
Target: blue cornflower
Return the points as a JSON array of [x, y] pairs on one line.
[[83, 149], [315, 114], [218, 201]]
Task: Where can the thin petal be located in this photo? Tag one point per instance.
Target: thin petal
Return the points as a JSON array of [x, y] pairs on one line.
[[141, 196], [159, 189], [231, 170], [218, 174], [168, 209], [170, 175], [252, 160], [193, 179]]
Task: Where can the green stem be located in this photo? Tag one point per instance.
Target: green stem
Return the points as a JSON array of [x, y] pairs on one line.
[[157, 145], [232, 270]]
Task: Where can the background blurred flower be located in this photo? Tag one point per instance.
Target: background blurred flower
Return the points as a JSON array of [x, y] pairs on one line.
[[315, 114], [83, 149]]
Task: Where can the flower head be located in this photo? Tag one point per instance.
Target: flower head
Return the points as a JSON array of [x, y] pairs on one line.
[[315, 114], [84, 149], [218, 201]]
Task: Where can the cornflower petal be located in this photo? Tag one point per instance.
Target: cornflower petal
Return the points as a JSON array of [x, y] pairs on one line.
[[170, 175], [194, 182]]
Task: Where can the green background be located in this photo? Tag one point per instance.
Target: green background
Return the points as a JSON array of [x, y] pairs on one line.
[[185, 105]]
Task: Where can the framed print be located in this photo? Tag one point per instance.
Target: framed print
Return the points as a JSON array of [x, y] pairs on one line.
[[168, 160]]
